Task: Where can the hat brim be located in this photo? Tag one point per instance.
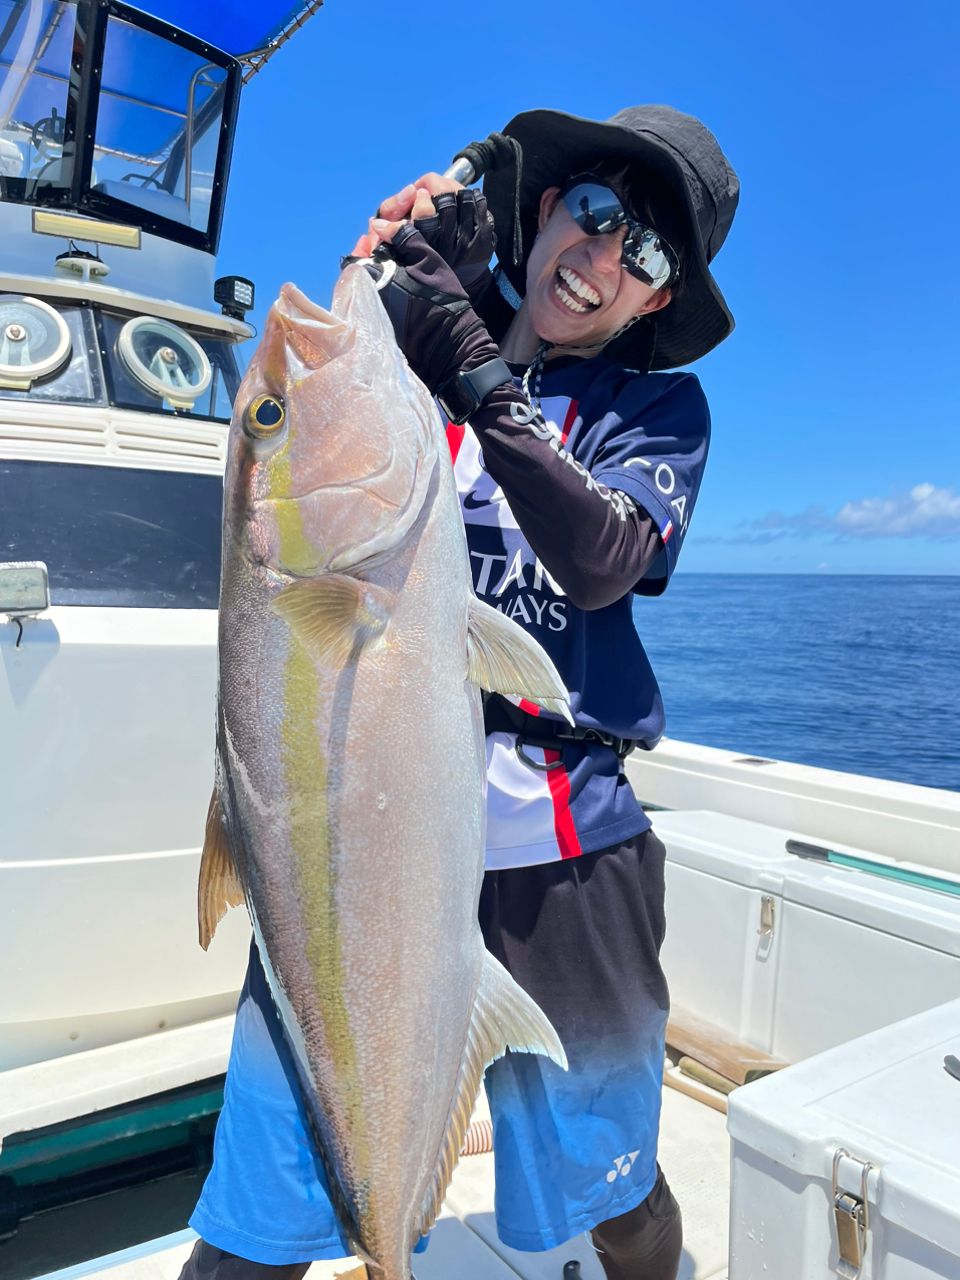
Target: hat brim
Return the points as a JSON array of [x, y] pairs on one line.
[[556, 145]]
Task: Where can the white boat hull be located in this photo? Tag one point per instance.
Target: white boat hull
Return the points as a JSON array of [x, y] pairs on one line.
[[109, 721]]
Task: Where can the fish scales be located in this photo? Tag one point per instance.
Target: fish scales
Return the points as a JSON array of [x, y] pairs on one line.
[[349, 805]]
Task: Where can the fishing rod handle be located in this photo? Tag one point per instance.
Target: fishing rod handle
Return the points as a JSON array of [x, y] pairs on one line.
[[462, 171], [495, 152]]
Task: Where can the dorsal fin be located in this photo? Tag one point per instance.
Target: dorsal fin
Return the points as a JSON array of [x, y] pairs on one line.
[[503, 658], [504, 1017], [219, 886]]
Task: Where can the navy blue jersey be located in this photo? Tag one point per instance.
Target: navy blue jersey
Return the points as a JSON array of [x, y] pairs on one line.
[[635, 440]]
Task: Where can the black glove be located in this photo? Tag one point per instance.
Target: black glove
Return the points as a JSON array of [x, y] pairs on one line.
[[461, 231], [436, 328]]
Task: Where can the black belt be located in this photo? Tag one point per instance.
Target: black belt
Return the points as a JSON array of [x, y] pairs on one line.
[[501, 716]]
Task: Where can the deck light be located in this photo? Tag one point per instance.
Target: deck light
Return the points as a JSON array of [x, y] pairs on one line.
[[24, 589], [235, 295]]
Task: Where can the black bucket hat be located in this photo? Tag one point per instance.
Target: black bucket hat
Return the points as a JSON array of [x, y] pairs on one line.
[[673, 148]]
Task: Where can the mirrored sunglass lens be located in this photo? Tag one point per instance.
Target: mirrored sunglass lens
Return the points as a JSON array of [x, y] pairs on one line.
[[596, 209], [645, 257]]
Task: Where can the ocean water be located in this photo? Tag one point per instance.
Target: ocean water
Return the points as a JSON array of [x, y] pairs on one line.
[[853, 673]]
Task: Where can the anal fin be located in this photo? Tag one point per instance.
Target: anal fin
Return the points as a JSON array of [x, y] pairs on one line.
[[503, 658], [504, 1017], [219, 886]]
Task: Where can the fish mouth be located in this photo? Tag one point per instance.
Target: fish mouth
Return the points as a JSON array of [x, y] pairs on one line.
[[294, 306], [313, 334]]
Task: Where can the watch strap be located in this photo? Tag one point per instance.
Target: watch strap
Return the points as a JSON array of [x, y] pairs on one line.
[[463, 393]]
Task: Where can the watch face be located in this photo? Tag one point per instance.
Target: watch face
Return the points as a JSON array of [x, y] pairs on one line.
[[165, 359], [457, 398], [34, 341]]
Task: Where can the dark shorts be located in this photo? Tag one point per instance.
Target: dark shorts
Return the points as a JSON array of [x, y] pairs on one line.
[[583, 937], [572, 1149]]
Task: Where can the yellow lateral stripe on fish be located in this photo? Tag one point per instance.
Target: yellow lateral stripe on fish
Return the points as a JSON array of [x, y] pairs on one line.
[[305, 774], [297, 554]]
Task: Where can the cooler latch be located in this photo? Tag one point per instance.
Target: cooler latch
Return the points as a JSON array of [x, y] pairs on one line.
[[850, 1216], [768, 915]]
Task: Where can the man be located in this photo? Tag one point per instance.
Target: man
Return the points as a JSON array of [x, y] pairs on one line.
[[578, 474]]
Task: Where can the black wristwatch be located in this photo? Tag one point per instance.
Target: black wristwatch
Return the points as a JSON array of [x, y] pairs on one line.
[[462, 395]]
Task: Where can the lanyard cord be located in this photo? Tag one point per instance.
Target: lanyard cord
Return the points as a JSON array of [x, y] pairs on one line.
[[535, 370], [535, 367]]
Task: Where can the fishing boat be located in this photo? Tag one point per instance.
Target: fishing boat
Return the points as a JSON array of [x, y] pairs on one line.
[[814, 915]]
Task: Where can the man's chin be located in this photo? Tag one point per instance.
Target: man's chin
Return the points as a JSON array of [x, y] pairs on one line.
[[573, 335]]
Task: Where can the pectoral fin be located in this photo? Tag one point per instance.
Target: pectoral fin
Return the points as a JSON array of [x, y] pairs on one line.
[[219, 886], [504, 1017], [333, 614], [503, 658]]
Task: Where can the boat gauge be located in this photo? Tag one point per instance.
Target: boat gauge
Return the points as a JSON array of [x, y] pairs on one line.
[[34, 341], [165, 360]]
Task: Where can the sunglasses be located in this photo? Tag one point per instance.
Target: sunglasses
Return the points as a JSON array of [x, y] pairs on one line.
[[597, 210]]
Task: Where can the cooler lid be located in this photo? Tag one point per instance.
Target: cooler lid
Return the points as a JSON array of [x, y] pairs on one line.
[[887, 1099], [735, 849], [755, 855]]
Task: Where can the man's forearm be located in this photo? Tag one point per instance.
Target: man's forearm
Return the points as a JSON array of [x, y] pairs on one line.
[[594, 541]]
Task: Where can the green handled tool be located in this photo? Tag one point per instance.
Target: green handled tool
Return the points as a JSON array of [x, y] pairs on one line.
[[921, 879]]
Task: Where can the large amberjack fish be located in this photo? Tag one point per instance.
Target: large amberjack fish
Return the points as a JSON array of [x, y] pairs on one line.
[[350, 776]]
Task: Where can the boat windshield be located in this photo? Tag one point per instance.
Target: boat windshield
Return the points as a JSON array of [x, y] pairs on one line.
[[35, 46], [112, 112]]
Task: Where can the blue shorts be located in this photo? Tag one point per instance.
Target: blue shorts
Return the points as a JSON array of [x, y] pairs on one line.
[[572, 1149]]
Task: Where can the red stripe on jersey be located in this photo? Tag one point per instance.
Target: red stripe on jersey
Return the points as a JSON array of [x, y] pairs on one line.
[[530, 708], [455, 436], [559, 784], [569, 420]]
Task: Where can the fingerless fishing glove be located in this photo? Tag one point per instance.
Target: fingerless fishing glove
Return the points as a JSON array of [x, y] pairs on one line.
[[446, 343], [461, 231]]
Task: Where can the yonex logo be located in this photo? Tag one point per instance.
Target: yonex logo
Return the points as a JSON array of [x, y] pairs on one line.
[[623, 1165]]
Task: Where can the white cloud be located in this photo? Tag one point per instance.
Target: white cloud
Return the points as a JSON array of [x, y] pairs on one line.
[[925, 511]]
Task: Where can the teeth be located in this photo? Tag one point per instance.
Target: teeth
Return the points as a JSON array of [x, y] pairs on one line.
[[568, 301], [579, 287]]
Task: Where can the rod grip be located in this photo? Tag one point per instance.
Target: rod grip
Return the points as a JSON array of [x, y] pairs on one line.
[[461, 171]]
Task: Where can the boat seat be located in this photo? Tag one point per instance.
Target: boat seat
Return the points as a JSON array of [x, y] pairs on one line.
[[161, 203]]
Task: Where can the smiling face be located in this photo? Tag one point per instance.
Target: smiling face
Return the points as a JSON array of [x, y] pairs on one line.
[[578, 293]]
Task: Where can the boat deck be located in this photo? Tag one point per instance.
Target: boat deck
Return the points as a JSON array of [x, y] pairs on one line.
[[694, 1152]]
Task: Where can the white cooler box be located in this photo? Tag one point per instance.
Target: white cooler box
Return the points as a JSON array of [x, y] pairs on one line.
[[889, 1209], [793, 956]]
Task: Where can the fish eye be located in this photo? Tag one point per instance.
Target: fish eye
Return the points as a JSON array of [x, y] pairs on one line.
[[264, 416]]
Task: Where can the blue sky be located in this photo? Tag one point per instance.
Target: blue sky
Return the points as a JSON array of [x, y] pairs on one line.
[[835, 404]]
